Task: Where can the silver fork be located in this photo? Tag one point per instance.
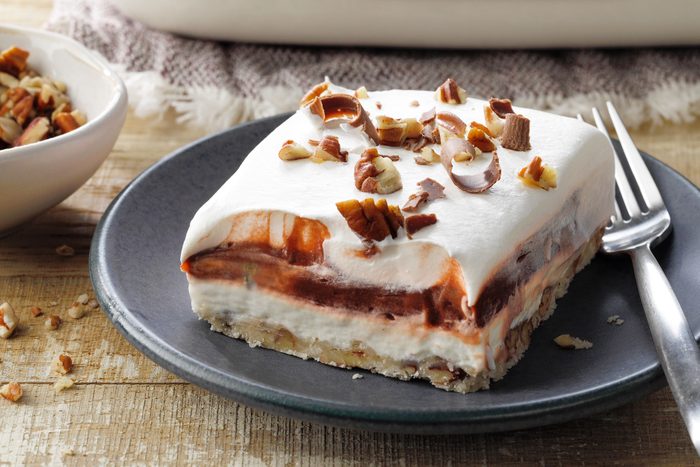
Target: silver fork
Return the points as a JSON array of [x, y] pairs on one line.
[[638, 223]]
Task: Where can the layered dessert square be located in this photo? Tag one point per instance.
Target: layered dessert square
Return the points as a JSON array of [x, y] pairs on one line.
[[415, 234]]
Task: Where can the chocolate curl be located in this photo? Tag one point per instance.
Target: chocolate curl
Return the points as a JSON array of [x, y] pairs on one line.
[[472, 183], [501, 107], [516, 133], [429, 190], [344, 107], [451, 123]]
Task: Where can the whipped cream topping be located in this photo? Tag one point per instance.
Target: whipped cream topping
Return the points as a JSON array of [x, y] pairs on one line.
[[479, 230]]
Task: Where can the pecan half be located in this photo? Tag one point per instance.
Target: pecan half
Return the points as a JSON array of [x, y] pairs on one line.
[[516, 133], [371, 219], [537, 175], [328, 149], [416, 222], [501, 107], [450, 93], [291, 151], [376, 174]]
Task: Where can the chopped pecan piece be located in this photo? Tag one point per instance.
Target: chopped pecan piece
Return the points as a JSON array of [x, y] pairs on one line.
[[37, 130], [414, 103], [13, 61], [23, 110], [450, 93], [53, 322], [63, 364], [328, 149], [393, 132], [65, 250], [317, 90], [501, 107], [416, 222], [8, 320], [62, 383], [537, 175], [516, 133], [376, 174], [291, 151], [426, 157], [483, 128], [12, 97], [493, 122], [569, 342], [361, 93], [11, 391], [9, 130], [36, 311], [479, 139], [65, 122], [371, 219]]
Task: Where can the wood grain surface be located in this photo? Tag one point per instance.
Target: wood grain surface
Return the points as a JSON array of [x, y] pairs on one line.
[[127, 410]]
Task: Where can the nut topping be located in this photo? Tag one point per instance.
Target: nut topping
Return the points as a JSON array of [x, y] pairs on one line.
[[328, 149], [427, 156], [537, 175], [371, 219], [493, 122], [317, 91], [361, 93], [479, 139], [11, 391], [376, 174], [37, 131], [65, 122], [291, 151], [450, 93], [501, 107], [9, 130], [62, 383], [63, 364], [53, 322], [393, 132], [516, 133], [417, 222], [13, 61], [8, 320], [566, 341]]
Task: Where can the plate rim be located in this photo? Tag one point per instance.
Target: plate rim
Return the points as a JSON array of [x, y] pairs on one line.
[[515, 416]]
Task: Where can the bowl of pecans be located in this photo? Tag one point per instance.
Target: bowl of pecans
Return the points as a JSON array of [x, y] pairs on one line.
[[61, 110]]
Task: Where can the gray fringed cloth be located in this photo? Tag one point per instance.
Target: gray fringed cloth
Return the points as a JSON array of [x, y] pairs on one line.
[[216, 85]]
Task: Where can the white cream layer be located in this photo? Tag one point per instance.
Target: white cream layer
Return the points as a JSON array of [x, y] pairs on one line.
[[479, 230]]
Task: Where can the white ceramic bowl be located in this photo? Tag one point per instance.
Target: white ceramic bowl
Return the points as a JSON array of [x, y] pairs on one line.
[[35, 177]]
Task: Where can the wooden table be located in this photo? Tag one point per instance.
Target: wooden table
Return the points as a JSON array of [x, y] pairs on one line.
[[125, 409]]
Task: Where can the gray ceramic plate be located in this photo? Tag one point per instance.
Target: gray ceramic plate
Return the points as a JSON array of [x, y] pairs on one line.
[[134, 264]]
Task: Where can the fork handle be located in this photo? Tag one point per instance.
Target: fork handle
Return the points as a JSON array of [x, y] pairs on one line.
[[674, 341]]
